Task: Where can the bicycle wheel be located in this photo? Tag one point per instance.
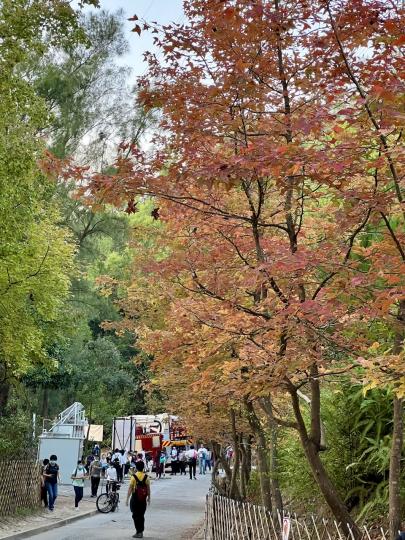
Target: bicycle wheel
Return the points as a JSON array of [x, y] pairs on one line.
[[104, 503]]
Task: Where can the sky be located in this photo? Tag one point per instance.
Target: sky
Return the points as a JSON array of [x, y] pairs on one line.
[[162, 11]]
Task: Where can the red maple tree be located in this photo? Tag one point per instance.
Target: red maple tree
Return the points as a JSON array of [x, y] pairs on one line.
[[277, 173]]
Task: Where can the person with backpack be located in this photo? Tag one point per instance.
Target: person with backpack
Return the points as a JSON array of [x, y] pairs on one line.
[[78, 477], [192, 462], [95, 475], [96, 450], [116, 461], [51, 475], [139, 492]]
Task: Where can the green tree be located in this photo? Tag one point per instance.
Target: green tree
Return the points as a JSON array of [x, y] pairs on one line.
[[35, 251]]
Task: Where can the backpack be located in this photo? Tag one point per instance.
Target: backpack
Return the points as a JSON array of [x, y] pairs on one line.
[[141, 489]]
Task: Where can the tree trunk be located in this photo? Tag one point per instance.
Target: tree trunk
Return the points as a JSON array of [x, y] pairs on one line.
[[4, 388], [273, 428], [395, 469], [243, 468], [321, 476], [397, 439], [262, 455], [4, 395], [45, 403], [234, 488]]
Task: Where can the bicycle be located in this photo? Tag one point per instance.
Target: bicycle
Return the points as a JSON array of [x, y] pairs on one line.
[[108, 502]]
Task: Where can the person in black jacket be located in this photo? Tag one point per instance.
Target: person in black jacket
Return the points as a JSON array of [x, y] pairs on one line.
[[51, 476]]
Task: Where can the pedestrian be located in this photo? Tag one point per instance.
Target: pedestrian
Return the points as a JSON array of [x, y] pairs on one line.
[[182, 462], [192, 462], [111, 477], [51, 475], [127, 464], [115, 454], [202, 456], [116, 461], [89, 461], [162, 464], [174, 460], [96, 450], [123, 462], [229, 454], [95, 474], [157, 465], [148, 461], [44, 494], [139, 491], [208, 462], [401, 536], [78, 476], [104, 464]]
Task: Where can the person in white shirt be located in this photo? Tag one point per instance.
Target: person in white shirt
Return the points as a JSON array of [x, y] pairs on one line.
[[123, 462], [192, 461], [111, 477], [202, 456], [174, 461]]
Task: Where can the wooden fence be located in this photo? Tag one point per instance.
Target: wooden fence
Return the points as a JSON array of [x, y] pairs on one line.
[[20, 486], [227, 519]]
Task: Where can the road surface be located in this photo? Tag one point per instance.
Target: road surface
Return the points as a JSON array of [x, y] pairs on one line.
[[177, 508]]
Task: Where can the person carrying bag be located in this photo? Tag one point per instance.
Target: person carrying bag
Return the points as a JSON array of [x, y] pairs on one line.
[[139, 492]]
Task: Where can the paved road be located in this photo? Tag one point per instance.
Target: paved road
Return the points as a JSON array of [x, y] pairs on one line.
[[177, 507]]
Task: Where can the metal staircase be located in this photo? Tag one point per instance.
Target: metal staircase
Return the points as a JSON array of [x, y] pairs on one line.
[[70, 423]]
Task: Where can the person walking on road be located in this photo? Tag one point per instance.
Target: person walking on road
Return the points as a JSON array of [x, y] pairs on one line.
[[96, 469], [116, 461], [162, 465], [174, 461], [158, 468], [182, 462], [208, 460], [192, 462], [78, 476], [51, 475], [202, 456], [139, 492]]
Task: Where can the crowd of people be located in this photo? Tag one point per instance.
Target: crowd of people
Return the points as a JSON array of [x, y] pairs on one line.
[[115, 466], [181, 459]]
